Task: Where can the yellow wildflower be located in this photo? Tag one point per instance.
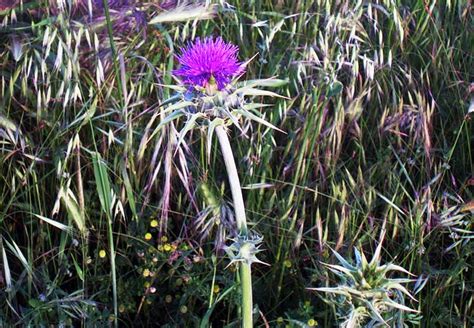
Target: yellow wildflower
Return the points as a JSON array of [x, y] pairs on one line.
[[167, 247]]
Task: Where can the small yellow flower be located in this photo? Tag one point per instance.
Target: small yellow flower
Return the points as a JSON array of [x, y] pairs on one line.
[[183, 309], [146, 284], [280, 320], [102, 254], [164, 239], [153, 223], [312, 323], [160, 247], [217, 289], [148, 236], [167, 247], [146, 273], [287, 263]]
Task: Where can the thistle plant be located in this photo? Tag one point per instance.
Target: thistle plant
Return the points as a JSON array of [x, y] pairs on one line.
[[211, 98], [365, 295]]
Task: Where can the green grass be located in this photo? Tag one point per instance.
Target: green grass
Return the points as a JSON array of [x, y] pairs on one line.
[[377, 137]]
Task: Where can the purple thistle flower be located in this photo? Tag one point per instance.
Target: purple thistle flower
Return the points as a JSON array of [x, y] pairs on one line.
[[209, 61]]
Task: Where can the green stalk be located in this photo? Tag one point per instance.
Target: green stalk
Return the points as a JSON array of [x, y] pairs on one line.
[[234, 181], [114, 51], [105, 198], [239, 208], [112, 264], [246, 287]]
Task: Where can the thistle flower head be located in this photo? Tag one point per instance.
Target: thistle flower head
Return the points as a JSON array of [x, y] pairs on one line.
[[209, 63]]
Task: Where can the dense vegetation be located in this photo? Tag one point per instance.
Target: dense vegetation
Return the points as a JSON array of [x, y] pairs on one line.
[[374, 153]]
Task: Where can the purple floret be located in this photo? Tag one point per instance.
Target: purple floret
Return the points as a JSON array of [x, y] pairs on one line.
[[203, 59]]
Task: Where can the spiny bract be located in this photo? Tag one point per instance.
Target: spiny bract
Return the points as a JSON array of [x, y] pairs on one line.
[[366, 296]]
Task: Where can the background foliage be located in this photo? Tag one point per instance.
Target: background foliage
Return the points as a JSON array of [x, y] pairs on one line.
[[377, 136]]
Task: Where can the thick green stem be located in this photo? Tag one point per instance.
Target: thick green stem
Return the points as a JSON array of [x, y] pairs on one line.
[[234, 181], [239, 208], [246, 286]]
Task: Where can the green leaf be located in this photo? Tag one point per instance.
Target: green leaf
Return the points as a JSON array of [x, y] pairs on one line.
[[190, 124], [272, 83], [246, 91], [72, 209], [205, 320], [257, 119], [102, 183], [129, 190], [173, 116], [79, 271], [232, 117], [334, 89], [54, 223]]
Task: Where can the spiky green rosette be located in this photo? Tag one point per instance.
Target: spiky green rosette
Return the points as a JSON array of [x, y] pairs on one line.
[[365, 296], [244, 249]]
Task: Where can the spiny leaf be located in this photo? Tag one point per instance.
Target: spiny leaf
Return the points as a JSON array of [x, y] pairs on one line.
[[257, 119], [190, 124], [210, 132]]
